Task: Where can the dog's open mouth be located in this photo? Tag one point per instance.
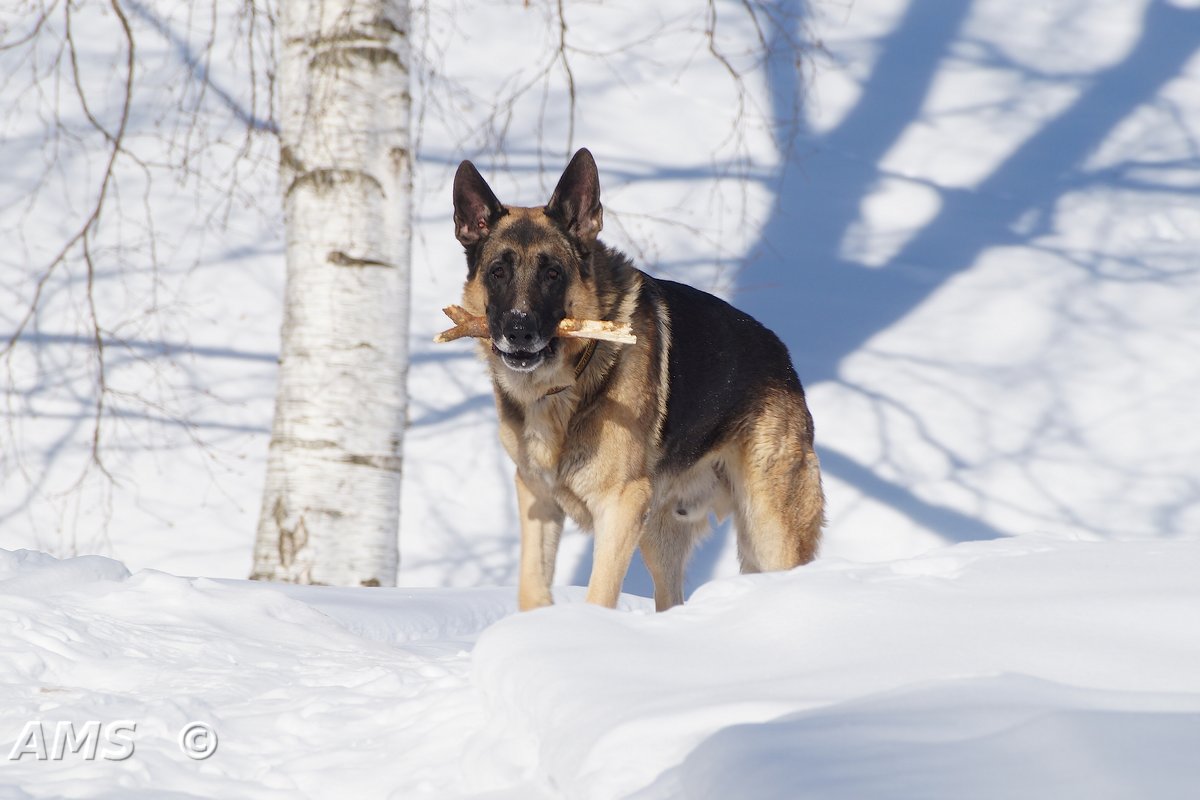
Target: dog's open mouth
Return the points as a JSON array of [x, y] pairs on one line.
[[525, 360]]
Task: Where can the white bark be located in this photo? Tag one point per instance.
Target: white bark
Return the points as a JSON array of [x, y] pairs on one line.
[[330, 510]]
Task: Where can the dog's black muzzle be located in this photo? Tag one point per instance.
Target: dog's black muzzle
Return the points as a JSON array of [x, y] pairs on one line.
[[519, 342]]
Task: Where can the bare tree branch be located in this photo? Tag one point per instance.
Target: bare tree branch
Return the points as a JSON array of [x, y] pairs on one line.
[[95, 151]]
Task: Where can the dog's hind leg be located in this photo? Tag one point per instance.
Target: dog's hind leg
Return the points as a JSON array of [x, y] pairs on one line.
[[541, 527], [776, 479], [666, 544]]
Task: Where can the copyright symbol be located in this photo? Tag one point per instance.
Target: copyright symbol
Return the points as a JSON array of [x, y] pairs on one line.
[[198, 740]]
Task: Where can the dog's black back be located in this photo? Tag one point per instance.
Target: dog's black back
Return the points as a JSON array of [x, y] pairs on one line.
[[720, 360]]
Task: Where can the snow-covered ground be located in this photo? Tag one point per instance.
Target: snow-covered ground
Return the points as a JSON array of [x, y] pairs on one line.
[[980, 246], [1029, 667]]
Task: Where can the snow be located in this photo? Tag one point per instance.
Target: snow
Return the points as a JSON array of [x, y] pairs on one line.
[[980, 250], [1028, 667], [1017, 633]]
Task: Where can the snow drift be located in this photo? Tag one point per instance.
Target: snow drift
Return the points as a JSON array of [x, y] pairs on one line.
[[1030, 667]]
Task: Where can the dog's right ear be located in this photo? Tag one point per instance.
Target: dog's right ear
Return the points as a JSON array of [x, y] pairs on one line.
[[476, 208]]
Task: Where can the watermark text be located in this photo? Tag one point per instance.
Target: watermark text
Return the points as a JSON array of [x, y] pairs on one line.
[[62, 740]]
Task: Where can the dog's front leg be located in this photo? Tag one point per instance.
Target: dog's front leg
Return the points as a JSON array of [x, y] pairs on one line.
[[541, 526], [618, 523]]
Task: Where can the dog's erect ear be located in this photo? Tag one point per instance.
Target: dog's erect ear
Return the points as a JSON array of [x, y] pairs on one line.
[[476, 208], [575, 203]]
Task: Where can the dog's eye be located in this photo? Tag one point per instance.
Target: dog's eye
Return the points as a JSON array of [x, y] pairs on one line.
[[498, 271], [553, 274]]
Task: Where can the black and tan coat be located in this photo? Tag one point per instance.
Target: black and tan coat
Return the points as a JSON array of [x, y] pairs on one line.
[[636, 443]]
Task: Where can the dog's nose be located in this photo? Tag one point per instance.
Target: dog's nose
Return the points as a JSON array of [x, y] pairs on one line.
[[519, 328]]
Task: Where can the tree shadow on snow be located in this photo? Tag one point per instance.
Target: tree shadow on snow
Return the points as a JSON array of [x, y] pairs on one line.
[[826, 306]]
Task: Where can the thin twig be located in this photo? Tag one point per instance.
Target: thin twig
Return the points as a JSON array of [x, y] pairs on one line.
[[566, 64], [33, 32]]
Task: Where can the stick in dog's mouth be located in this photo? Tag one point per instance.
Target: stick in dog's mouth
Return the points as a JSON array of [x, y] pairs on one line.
[[467, 324]]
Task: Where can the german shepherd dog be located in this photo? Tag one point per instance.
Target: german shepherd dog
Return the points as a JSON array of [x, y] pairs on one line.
[[637, 443]]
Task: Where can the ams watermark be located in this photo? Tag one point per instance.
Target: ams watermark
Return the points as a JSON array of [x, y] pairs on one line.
[[57, 741], [89, 741]]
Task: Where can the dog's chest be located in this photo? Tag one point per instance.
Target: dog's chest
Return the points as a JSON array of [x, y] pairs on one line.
[[543, 436], [551, 455]]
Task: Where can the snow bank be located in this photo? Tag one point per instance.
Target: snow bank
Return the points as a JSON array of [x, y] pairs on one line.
[[936, 676], [994, 737], [31, 572], [1031, 667], [312, 691], [305, 703]]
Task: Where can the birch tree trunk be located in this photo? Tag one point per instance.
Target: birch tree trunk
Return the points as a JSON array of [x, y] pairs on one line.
[[331, 504]]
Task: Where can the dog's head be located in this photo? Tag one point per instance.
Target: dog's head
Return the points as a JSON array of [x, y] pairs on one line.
[[529, 268]]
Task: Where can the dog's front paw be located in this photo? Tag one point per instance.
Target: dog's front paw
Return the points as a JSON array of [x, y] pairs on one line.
[[529, 600]]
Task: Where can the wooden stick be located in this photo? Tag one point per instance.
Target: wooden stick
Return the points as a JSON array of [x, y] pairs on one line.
[[466, 324]]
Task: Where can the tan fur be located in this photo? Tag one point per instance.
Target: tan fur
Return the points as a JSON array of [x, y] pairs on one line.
[[598, 464], [779, 504]]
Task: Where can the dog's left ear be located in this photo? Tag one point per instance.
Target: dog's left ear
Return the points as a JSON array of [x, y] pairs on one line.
[[575, 203]]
